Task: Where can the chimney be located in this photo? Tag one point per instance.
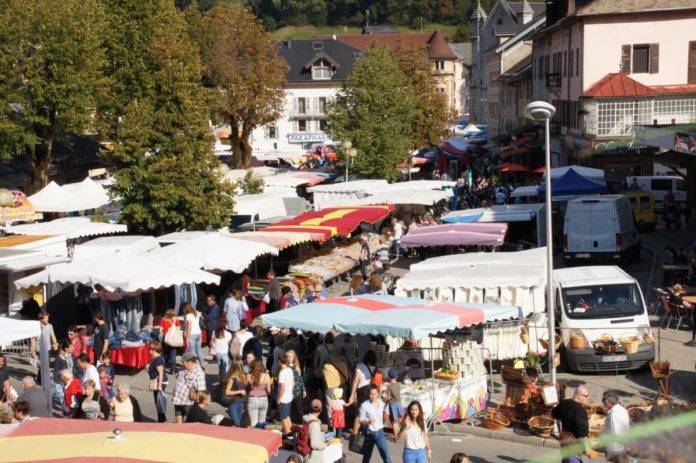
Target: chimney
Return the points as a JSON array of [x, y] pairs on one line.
[[289, 44], [526, 13], [333, 36]]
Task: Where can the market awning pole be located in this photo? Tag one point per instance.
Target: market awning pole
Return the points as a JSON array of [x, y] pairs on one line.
[[432, 380]]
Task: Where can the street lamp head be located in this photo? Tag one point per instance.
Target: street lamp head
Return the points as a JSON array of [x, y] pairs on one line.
[[539, 111], [347, 144], [352, 152]]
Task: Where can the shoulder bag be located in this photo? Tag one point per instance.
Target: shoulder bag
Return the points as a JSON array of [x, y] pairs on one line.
[[174, 337]]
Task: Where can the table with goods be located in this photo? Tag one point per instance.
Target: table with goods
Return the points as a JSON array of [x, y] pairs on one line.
[[330, 262], [456, 391]]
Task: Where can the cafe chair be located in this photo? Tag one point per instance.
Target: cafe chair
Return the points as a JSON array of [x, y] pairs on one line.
[[673, 310], [657, 303]]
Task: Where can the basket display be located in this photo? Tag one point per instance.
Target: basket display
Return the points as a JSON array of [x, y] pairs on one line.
[[541, 425], [516, 375], [540, 409], [509, 411], [521, 420], [524, 335], [545, 342], [630, 343], [578, 341], [605, 344], [447, 375]]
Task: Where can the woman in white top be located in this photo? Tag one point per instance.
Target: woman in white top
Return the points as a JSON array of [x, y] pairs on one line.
[[417, 445], [221, 345], [193, 331]]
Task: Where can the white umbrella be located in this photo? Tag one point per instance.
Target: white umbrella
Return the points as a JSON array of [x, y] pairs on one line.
[[120, 271], [215, 252]]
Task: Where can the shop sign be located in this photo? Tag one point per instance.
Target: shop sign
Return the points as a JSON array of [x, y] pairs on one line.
[[620, 147], [308, 138]]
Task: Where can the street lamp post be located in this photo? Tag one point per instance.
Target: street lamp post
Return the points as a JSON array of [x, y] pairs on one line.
[[347, 149], [538, 111]]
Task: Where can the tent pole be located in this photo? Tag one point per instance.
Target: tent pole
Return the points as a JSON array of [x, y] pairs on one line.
[[432, 381]]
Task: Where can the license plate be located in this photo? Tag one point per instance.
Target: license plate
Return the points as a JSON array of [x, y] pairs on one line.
[[582, 256], [614, 358]]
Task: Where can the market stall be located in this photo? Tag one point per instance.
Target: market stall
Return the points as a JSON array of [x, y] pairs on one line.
[[70, 227], [458, 234], [89, 440], [458, 390], [72, 197], [215, 252]]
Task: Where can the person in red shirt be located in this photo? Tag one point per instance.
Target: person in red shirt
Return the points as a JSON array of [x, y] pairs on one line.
[[169, 352], [73, 391]]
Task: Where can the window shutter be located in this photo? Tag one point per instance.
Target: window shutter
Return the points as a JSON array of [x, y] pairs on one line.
[[691, 78], [294, 105], [626, 59], [654, 58]]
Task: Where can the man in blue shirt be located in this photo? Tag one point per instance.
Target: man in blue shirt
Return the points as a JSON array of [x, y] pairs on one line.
[[213, 316], [234, 310]]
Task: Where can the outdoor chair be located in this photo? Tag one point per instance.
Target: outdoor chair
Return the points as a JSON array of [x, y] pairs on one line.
[[657, 294], [677, 311]]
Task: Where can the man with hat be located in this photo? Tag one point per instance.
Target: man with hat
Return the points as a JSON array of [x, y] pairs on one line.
[[188, 381], [317, 440]]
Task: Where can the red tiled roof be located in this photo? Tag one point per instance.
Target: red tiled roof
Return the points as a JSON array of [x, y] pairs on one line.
[[619, 85], [434, 41]]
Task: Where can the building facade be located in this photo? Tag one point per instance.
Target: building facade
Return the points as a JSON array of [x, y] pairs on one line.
[[609, 66], [489, 31], [317, 69], [462, 76]]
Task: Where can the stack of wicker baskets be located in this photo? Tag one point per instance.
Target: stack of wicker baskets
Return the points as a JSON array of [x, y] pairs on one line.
[[495, 420]]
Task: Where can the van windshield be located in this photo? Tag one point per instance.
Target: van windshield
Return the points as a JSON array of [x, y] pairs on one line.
[[602, 301]]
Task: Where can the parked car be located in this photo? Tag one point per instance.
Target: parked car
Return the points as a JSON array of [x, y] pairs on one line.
[[643, 206]]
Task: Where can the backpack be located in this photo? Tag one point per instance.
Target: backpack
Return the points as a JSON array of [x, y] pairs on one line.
[[298, 384], [302, 444], [377, 377]]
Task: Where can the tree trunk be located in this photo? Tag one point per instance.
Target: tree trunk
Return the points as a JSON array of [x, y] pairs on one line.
[[40, 156], [245, 146]]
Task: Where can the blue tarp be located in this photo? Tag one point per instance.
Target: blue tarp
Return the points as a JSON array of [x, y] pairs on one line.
[[573, 184]]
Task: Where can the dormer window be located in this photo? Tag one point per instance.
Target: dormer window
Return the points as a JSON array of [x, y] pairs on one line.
[[321, 70], [317, 45]]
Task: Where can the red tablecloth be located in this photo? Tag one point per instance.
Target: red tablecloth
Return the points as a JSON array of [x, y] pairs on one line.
[[135, 357]]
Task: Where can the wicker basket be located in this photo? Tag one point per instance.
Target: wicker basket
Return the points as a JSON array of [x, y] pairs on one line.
[[524, 335], [540, 409], [660, 369], [545, 342], [541, 425], [578, 341], [521, 420], [596, 422], [517, 375], [630, 343], [648, 338], [495, 421], [605, 344], [509, 411]]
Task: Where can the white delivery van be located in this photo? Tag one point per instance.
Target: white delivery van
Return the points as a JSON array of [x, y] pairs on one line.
[[659, 185], [600, 228], [597, 301]]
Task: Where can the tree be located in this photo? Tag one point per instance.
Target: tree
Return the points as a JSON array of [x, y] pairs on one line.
[[167, 176], [375, 110], [242, 64], [251, 184], [433, 116], [50, 68]]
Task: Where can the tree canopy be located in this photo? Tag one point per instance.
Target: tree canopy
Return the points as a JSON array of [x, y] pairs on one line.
[[375, 109], [51, 58], [167, 177], [242, 65]]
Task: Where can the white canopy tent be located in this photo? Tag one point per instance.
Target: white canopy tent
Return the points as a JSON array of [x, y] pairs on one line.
[[265, 205], [121, 272], [424, 197], [587, 172], [215, 252], [12, 330], [362, 192], [70, 227], [71, 197], [134, 245], [507, 278], [522, 191]]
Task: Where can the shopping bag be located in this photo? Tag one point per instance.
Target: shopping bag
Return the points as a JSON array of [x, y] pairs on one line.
[[174, 337], [357, 443]]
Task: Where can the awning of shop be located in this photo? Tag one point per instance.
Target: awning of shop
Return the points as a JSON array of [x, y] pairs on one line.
[[16, 260], [458, 234], [511, 152], [387, 316], [333, 221], [89, 440], [508, 167], [677, 159], [70, 227]]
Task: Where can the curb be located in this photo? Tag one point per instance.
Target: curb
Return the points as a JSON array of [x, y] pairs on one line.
[[503, 436]]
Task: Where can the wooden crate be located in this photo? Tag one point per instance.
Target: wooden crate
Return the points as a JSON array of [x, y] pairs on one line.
[[516, 393]]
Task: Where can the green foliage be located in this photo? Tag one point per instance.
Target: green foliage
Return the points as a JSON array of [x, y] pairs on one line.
[[375, 109], [157, 114], [50, 63], [251, 184]]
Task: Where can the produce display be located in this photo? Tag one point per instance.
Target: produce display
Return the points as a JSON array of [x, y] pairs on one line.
[[464, 357], [331, 262]]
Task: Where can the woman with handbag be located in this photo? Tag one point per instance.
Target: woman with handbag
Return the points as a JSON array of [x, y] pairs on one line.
[[417, 445], [194, 334], [371, 418], [235, 387], [170, 327], [158, 380]]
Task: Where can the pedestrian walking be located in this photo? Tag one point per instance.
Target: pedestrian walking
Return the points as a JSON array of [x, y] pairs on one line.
[[371, 418], [416, 443]]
